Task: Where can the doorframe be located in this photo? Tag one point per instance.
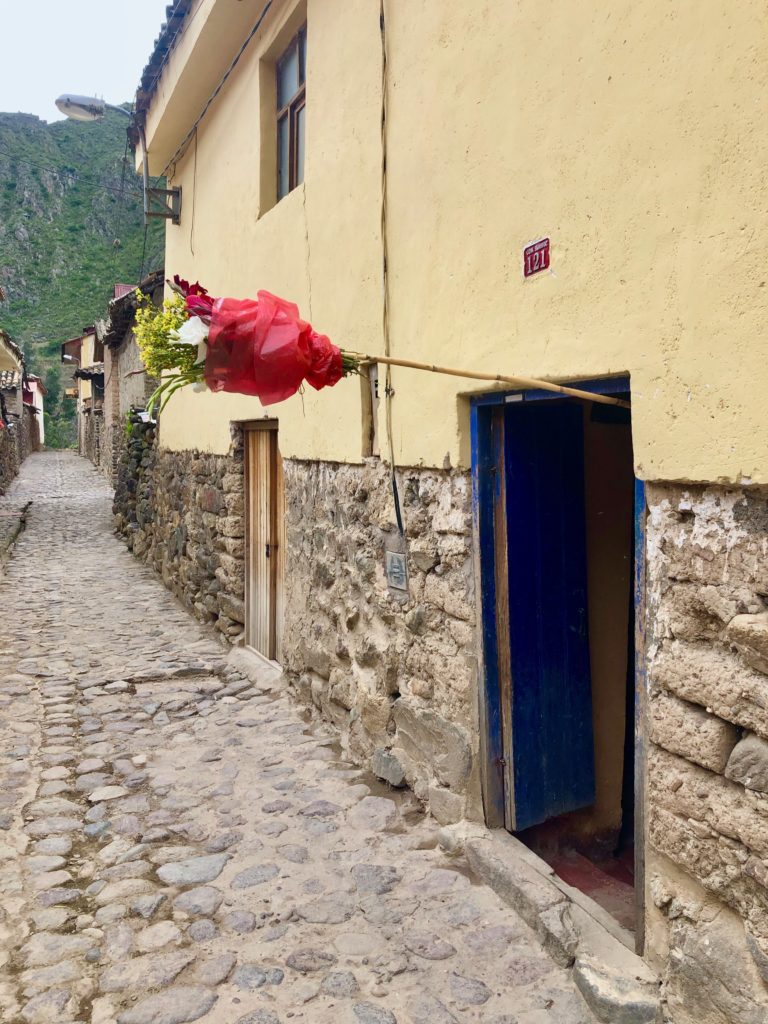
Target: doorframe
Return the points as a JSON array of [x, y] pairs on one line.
[[247, 427], [494, 686]]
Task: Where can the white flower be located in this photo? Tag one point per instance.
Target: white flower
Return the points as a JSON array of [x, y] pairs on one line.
[[199, 386], [193, 332]]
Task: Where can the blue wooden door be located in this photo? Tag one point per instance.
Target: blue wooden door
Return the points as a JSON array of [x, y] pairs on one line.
[[549, 749]]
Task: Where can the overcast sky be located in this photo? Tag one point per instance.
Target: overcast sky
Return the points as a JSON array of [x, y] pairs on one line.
[[89, 47]]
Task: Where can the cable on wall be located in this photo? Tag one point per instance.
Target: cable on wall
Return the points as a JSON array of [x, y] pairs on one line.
[[388, 391]]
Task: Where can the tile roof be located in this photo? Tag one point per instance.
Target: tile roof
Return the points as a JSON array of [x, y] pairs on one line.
[[122, 309], [9, 379], [175, 14], [90, 372]]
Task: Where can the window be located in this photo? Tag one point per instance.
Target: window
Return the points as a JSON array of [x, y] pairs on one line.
[[291, 114]]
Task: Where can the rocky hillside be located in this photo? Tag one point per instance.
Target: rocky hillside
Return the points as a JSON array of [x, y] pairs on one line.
[[70, 227]]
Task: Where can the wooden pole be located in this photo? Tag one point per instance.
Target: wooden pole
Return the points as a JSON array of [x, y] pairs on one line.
[[520, 382]]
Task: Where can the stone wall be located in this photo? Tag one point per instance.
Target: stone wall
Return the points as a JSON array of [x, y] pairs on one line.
[[93, 434], [9, 458], [396, 676], [707, 782], [126, 387], [182, 513]]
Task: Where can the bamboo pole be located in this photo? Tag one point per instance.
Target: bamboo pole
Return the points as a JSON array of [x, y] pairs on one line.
[[520, 382]]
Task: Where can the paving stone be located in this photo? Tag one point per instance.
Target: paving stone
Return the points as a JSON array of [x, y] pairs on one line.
[[375, 878], [157, 935], [174, 1006], [214, 970], [340, 984], [469, 991], [256, 875], [202, 931], [107, 793], [200, 902], [242, 922], [54, 1005], [194, 871], [152, 970], [429, 946], [369, 1013], [424, 1008], [48, 948], [308, 960]]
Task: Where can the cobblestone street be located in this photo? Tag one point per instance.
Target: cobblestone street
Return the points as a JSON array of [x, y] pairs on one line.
[[178, 841]]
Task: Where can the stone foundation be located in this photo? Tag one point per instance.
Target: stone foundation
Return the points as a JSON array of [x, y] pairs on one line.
[[707, 783], [9, 458], [182, 513], [397, 674]]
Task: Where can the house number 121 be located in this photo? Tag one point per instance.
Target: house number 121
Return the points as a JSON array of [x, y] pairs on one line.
[[536, 257]]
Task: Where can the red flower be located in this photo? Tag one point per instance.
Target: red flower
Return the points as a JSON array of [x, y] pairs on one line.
[[187, 288], [199, 304]]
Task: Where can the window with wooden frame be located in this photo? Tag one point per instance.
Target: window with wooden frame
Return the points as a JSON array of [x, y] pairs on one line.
[[291, 114]]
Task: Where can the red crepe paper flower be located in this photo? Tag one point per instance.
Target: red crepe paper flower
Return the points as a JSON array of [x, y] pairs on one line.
[[262, 347]]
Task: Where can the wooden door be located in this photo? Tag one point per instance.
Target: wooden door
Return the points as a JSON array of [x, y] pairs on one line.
[[549, 744], [264, 527]]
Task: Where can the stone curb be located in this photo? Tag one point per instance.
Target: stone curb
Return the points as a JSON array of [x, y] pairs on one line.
[[618, 986]]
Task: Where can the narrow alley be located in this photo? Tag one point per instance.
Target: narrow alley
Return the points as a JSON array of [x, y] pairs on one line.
[[178, 842]]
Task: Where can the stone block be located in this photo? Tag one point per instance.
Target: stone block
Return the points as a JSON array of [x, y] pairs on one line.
[[749, 635], [315, 657], [385, 765], [716, 679], [687, 729], [443, 594], [613, 997], [210, 500], [695, 793], [712, 977], [374, 713], [445, 807], [232, 607], [232, 526], [429, 739], [748, 764], [535, 897], [343, 689]]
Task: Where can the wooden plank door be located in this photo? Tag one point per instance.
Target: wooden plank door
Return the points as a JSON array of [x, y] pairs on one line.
[[548, 718], [263, 582]]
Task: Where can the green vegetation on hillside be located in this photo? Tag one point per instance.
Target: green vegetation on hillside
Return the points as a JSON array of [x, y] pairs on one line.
[[70, 228]]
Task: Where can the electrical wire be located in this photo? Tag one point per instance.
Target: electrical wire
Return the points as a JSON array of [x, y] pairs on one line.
[[87, 182], [192, 131], [388, 391], [143, 252]]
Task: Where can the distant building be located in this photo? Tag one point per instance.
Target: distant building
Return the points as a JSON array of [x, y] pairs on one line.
[[19, 431]]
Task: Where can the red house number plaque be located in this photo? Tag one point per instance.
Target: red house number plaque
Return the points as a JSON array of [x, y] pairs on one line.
[[536, 257]]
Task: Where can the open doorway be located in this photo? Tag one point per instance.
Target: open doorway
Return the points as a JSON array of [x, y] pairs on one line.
[[556, 490]]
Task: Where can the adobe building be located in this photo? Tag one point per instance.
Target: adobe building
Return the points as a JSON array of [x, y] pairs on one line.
[[563, 635]]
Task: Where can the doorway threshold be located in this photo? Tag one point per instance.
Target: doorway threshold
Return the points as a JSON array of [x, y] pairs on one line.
[[572, 928]]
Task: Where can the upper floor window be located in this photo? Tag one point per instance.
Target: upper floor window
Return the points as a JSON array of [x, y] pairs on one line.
[[291, 114]]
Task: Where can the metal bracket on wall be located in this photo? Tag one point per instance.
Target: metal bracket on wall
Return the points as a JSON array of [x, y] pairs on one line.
[[169, 200]]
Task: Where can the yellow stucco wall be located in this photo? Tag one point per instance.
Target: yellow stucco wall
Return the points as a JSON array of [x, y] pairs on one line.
[[632, 134], [85, 389]]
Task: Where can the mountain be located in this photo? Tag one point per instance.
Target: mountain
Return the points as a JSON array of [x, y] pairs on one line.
[[71, 227]]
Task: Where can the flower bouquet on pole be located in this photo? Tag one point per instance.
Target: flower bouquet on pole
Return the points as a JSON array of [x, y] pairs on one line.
[[257, 347], [262, 347]]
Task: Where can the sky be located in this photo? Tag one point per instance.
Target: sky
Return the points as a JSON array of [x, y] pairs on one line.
[[88, 47]]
